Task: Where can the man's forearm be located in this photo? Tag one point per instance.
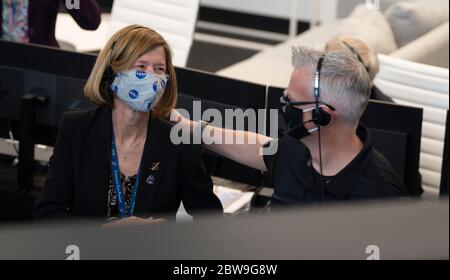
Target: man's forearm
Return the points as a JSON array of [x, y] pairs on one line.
[[241, 146]]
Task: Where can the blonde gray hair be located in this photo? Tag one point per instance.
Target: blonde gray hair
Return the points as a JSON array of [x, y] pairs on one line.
[[368, 56], [344, 82]]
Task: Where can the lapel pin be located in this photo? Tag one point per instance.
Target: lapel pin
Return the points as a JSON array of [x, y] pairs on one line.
[[150, 180], [155, 166]]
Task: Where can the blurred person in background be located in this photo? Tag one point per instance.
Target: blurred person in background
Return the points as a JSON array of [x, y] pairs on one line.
[[366, 56], [33, 21]]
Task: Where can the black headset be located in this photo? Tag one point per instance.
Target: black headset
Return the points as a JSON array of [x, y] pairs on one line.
[[355, 52], [109, 74], [320, 116]]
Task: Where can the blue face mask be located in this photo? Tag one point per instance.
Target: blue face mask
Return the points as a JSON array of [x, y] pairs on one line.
[[138, 89]]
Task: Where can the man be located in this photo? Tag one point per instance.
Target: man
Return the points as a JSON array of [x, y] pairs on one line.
[[327, 94]]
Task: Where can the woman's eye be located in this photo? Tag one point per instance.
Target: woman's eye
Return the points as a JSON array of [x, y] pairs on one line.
[[139, 67], [160, 70]]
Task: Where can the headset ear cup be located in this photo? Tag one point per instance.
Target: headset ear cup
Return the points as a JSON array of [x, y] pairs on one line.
[[321, 117]]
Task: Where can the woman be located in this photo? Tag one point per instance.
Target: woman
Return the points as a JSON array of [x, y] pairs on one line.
[[366, 56], [117, 161]]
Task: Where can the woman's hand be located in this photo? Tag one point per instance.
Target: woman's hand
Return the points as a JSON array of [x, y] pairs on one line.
[[176, 117], [134, 221]]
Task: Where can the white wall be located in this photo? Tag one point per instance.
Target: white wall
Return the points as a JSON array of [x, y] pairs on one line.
[[276, 8]]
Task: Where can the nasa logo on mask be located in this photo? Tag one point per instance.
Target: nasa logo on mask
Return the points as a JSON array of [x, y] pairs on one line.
[[141, 75], [163, 84], [134, 94], [139, 93], [150, 180], [155, 86], [115, 89]]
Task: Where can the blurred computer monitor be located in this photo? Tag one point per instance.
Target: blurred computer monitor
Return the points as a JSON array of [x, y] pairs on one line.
[[221, 93], [400, 229], [46, 72]]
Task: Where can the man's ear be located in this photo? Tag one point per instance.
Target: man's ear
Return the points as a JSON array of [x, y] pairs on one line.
[[331, 115]]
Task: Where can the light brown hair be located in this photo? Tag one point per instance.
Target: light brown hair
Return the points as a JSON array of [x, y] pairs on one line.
[[119, 54]]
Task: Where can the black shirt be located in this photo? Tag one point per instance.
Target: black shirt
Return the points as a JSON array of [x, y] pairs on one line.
[[368, 176], [377, 94]]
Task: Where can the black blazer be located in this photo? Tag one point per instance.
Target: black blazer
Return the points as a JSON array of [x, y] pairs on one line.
[[80, 167]]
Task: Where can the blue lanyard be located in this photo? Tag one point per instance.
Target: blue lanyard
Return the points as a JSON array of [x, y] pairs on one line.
[[118, 184]]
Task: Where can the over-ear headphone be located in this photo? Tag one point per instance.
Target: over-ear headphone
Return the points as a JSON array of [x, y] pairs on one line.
[[320, 116], [109, 74], [108, 71]]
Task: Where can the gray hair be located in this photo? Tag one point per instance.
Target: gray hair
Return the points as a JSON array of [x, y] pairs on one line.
[[344, 82]]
